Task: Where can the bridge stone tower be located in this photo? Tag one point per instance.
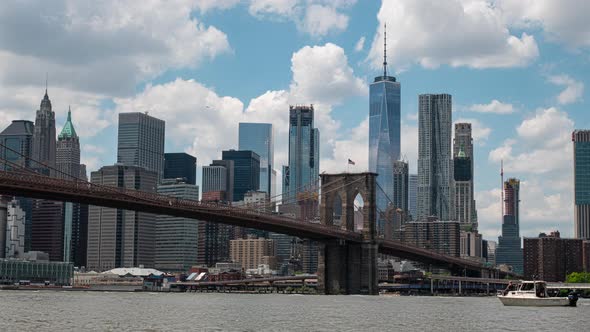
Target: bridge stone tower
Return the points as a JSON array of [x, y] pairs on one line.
[[344, 267]]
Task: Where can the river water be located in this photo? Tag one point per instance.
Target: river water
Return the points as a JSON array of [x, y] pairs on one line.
[[108, 311]]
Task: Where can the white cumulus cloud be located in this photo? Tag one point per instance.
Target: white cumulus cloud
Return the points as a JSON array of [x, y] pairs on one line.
[[573, 89], [495, 106]]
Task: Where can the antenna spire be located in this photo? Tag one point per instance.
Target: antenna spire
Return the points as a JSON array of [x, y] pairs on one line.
[[502, 186], [46, 79], [385, 50]]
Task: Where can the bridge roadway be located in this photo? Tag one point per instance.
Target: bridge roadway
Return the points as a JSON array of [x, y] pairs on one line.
[[43, 187]]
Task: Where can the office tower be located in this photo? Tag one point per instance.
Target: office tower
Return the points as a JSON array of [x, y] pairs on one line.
[[176, 237], [304, 156], [80, 234], [67, 162], [218, 177], [509, 251], [47, 229], [249, 252], [440, 236], [141, 142], [491, 248], [434, 157], [180, 166], [384, 133], [463, 154], [472, 245], [401, 186], [3, 224], [15, 230], [413, 195], [18, 136], [117, 237], [581, 140], [258, 137], [43, 148], [552, 258], [246, 171], [18, 140]]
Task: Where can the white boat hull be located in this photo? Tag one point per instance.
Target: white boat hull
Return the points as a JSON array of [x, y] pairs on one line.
[[536, 302]]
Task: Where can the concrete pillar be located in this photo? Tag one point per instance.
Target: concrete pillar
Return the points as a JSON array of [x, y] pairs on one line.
[[459, 287]]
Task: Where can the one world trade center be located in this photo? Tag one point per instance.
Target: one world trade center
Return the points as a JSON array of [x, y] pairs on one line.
[[384, 134]]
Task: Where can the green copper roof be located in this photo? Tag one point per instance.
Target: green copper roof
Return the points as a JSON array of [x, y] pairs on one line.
[[461, 153], [68, 130]]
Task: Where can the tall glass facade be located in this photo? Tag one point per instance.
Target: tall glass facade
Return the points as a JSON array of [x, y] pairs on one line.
[[384, 135], [258, 137], [246, 171], [581, 139], [180, 165], [304, 140]]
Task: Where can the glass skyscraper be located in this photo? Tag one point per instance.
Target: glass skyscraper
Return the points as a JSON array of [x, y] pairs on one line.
[[180, 165], [581, 139], [141, 142], [246, 171], [258, 137], [384, 133], [304, 153]]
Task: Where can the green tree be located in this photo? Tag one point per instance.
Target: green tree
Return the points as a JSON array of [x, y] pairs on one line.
[[578, 277]]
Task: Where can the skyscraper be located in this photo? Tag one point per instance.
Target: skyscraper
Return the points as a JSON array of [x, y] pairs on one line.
[[176, 237], [47, 228], [509, 249], [68, 165], [581, 140], [401, 186], [258, 137], [413, 195], [116, 237], [141, 142], [434, 157], [304, 154], [465, 210], [384, 132], [246, 171], [43, 149], [219, 177], [180, 165], [18, 138]]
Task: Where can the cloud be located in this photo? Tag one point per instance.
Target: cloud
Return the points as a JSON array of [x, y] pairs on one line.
[[314, 17], [322, 74], [469, 33], [549, 128], [563, 21], [495, 106], [573, 89], [360, 44]]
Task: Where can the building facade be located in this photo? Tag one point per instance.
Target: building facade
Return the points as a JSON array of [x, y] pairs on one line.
[[581, 140], [14, 240], [116, 237], [259, 137], [180, 166], [434, 157], [440, 236], [246, 171], [509, 249], [413, 195], [552, 258], [249, 252], [463, 145], [304, 153], [140, 142], [176, 237], [401, 185]]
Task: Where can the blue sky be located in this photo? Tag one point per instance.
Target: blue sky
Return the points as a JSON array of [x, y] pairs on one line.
[[517, 69]]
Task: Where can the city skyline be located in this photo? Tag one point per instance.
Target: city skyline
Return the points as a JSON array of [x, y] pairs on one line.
[[516, 124]]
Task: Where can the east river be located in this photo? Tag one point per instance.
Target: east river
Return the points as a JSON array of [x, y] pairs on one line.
[[107, 311]]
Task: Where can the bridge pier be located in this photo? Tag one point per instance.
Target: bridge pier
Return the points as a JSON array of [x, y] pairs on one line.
[[347, 268]]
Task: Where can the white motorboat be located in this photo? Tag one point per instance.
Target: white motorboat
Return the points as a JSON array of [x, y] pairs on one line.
[[534, 294]]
